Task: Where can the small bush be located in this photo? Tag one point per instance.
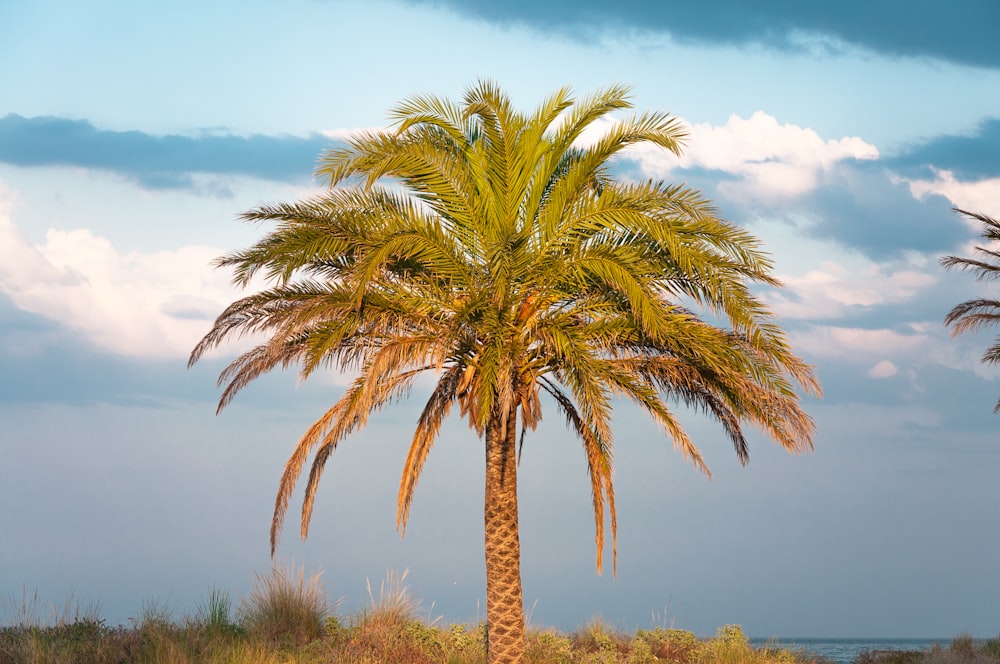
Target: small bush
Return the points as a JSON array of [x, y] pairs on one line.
[[215, 616], [675, 645], [395, 604], [598, 636], [286, 608], [963, 645], [388, 630], [964, 650], [462, 645], [991, 647], [729, 646], [889, 657], [548, 647], [155, 614]]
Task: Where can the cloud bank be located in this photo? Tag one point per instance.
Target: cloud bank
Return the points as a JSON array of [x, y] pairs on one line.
[[766, 160], [135, 304], [156, 162], [962, 34], [833, 291], [969, 157], [826, 188]]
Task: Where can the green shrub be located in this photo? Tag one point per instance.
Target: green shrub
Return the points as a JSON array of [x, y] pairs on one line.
[[640, 652], [729, 646], [598, 636], [461, 645], [675, 645], [991, 647], [548, 646], [215, 616]]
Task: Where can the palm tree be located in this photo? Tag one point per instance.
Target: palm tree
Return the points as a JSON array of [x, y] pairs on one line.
[[496, 251], [971, 315]]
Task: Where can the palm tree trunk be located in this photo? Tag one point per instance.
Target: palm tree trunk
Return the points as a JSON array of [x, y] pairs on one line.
[[504, 605]]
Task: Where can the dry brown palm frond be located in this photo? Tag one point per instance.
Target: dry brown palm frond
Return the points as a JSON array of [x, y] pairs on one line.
[[428, 428], [599, 468]]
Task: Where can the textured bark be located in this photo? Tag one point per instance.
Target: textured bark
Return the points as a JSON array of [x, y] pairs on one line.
[[504, 604]]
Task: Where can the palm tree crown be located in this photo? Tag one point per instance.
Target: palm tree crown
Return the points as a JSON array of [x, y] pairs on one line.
[[974, 314], [496, 251]]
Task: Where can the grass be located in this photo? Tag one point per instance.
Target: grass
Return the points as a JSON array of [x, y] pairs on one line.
[[964, 649], [284, 607], [288, 619]]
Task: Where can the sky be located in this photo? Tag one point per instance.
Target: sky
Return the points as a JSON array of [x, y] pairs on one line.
[[132, 135]]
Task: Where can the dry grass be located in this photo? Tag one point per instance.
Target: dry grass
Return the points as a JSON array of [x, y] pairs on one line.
[[285, 607], [964, 649], [287, 619], [395, 604]]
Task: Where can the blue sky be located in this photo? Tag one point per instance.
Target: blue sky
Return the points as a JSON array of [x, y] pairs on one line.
[[132, 135]]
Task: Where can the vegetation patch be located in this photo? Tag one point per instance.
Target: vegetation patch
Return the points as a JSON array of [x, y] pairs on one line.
[[288, 619]]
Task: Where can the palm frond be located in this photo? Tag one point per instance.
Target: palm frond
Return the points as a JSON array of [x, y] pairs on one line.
[[428, 427]]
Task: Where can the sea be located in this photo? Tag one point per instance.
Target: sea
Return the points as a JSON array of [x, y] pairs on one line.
[[844, 651]]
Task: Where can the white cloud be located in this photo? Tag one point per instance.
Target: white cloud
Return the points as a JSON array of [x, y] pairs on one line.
[[761, 139], [832, 290], [883, 369], [976, 196], [885, 350], [856, 344], [156, 304], [772, 160], [963, 352]]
